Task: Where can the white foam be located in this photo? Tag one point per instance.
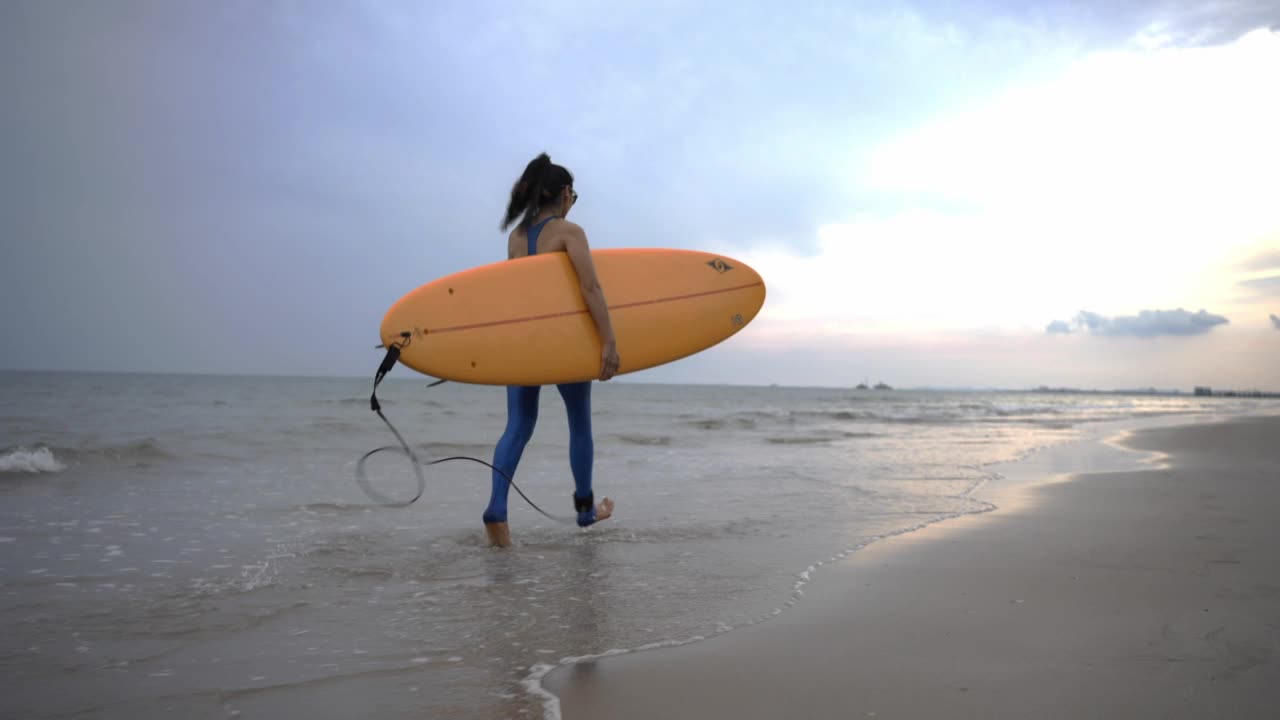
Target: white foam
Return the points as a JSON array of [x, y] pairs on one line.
[[532, 682], [39, 460]]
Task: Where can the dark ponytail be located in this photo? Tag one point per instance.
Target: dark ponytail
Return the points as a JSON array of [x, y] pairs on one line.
[[541, 182]]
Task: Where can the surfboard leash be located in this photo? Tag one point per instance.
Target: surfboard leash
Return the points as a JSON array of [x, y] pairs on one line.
[[389, 362]]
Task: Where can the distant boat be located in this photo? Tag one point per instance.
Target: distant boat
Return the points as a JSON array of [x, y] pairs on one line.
[[862, 386], [882, 386]]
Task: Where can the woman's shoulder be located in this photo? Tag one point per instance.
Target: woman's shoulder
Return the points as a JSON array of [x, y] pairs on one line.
[[567, 228]]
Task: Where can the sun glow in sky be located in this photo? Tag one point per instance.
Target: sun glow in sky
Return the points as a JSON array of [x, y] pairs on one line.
[[1137, 178]]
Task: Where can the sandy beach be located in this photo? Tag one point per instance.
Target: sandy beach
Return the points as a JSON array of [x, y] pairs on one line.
[[1137, 594]]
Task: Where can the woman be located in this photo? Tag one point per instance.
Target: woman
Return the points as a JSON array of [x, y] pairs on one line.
[[540, 200]]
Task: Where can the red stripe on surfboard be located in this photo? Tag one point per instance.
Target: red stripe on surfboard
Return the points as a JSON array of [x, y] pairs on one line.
[[548, 316]]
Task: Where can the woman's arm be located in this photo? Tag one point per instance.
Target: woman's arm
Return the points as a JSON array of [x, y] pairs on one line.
[[575, 243]]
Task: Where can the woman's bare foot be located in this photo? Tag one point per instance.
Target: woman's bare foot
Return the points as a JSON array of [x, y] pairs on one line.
[[500, 534], [604, 509]]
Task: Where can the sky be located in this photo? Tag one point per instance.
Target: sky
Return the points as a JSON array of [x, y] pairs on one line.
[[943, 194]]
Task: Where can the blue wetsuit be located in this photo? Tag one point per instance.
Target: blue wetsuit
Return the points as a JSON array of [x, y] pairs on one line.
[[522, 415]]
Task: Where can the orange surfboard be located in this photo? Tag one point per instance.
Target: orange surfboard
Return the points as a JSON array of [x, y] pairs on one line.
[[524, 322]]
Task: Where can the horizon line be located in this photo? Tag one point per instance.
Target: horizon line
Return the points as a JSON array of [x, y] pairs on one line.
[[1039, 389]]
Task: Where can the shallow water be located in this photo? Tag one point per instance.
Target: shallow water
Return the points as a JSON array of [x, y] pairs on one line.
[[198, 544]]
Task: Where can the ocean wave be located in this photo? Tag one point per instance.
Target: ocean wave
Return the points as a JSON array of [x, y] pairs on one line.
[[740, 423], [819, 438], [30, 460], [364, 401], [52, 458], [908, 416], [1010, 409], [444, 447], [139, 450], [322, 507], [328, 424], [645, 439], [802, 440], [911, 415], [357, 401], [750, 420]]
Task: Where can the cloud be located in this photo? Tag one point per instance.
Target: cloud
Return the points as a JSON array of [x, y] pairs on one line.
[[1146, 324], [1199, 24], [1268, 286], [1275, 320], [1262, 261]]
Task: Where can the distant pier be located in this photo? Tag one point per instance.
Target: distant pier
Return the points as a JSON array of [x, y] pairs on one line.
[[1210, 392], [1200, 391]]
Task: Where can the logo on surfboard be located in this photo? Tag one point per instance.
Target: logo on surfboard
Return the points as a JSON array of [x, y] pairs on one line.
[[720, 266]]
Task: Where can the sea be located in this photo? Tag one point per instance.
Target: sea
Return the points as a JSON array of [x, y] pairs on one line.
[[198, 546]]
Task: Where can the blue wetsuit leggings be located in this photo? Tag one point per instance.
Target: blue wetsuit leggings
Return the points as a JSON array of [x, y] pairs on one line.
[[522, 415]]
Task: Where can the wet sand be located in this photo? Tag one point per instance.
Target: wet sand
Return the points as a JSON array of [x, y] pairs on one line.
[[1125, 595]]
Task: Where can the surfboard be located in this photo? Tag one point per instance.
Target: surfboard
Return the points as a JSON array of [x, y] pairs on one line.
[[524, 322]]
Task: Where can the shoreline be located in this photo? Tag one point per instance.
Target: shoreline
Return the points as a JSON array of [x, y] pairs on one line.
[[1067, 600]]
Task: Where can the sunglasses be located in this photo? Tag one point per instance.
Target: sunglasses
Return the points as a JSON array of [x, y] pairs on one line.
[[573, 194]]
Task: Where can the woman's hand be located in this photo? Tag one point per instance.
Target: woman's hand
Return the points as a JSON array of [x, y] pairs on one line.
[[609, 361]]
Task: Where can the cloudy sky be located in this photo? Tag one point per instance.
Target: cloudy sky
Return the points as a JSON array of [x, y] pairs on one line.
[[936, 193]]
